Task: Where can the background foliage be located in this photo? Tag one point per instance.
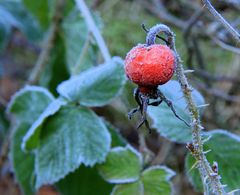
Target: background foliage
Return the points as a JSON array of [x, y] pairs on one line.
[[68, 129]]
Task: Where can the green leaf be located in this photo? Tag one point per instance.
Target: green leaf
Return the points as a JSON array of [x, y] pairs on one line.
[[40, 10], [84, 181], [156, 180], [135, 188], [74, 135], [31, 139], [163, 118], [225, 148], [97, 86], [123, 164], [81, 52], [23, 164], [28, 103]]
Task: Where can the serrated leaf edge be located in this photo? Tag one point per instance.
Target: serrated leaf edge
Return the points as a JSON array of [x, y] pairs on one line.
[[141, 188], [129, 180], [39, 122], [56, 179], [223, 132], [117, 62], [11, 154], [170, 172], [27, 88]]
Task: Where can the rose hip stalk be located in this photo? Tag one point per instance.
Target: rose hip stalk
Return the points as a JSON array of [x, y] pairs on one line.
[[150, 65]]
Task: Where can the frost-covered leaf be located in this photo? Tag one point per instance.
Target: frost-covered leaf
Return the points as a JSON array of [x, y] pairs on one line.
[[96, 86], [156, 180], [153, 181], [123, 164], [31, 139], [225, 150], [163, 118], [135, 188], [23, 164], [74, 135], [81, 52], [83, 181], [28, 103]]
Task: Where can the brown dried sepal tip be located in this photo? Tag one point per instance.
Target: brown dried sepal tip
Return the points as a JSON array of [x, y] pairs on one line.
[[215, 167], [190, 146]]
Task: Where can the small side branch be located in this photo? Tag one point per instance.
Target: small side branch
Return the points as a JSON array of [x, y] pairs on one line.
[[93, 28], [218, 16], [48, 43]]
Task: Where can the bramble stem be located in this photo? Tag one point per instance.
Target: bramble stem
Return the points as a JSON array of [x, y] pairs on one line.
[[93, 28], [219, 17], [209, 178]]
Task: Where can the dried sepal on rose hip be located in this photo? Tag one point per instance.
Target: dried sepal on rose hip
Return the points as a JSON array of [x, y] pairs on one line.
[[150, 65]]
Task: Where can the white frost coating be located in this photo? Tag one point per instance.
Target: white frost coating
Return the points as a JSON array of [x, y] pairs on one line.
[[117, 186], [27, 88], [171, 124], [165, 133], [170, 172], [122, 181], [63, 88], [50, 110], [136, 152], [122, 149], [172, 90], [74, 88], [128, 146], [108, 140], [233, 192], [69, 168], [223, 132]]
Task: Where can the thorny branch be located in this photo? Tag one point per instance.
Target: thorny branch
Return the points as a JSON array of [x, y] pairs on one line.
[[193, 33], [209, 178]]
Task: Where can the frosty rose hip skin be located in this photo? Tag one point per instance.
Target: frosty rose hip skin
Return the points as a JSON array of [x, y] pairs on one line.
[[150, 65]]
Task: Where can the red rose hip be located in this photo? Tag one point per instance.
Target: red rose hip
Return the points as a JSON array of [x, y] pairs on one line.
[[150, 66]]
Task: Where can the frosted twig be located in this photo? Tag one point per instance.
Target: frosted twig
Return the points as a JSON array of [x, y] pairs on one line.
[[219, 17], [204, 167], [93, 28]]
